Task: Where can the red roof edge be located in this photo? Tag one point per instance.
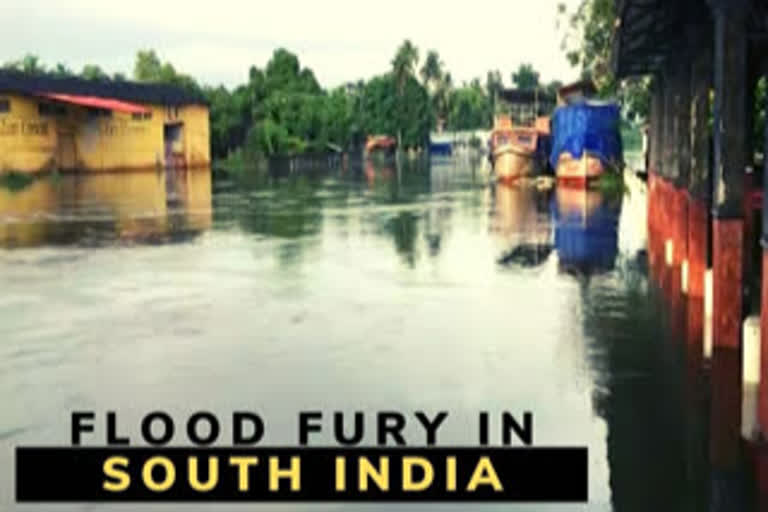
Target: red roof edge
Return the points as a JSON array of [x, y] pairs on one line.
[[96, 102]]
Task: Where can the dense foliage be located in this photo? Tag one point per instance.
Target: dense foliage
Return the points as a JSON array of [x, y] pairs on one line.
[[282, 109], [588, 43]]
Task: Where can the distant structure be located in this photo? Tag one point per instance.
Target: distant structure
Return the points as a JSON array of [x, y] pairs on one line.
[[66, 124], [577, 91], [380, 143], [526, 105]]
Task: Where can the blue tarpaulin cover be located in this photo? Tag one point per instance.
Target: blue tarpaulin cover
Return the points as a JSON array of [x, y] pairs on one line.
[[590, 126]]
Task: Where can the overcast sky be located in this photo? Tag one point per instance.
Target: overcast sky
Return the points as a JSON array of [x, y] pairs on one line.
[[341, 40]]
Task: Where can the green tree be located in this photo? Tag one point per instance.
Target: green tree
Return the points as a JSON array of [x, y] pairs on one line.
[[591, 31], [28, 64], [61, 70], [493, 87], [432, 70], [149, 68], [588, 46], [525, 77], [384, 110], [403, 69], [553, 87], [93, 72], [471, 109], [284, 73]]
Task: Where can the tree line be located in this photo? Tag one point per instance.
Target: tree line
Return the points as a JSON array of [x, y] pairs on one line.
[[282, 109]]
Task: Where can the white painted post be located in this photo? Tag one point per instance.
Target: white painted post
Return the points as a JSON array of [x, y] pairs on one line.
[[750, 427], [669, 252], [708, 314]]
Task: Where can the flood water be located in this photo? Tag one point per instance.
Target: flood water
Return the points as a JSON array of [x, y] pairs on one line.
[[426, 289]]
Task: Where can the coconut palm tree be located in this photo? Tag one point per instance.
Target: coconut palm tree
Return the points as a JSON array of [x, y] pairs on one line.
[[403, 68], [432, 70]]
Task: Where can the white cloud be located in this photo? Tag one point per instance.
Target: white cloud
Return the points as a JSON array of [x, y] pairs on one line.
[[340, 40]]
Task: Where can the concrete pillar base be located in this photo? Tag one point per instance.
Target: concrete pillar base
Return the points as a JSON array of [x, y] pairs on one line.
[[762, 407], [750, 425]]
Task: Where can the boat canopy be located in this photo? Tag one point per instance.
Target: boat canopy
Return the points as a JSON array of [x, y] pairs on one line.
[[590, 126]]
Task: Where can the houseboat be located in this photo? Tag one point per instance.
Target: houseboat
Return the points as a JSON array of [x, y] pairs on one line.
[[587, 142], [519, 139], [380, 144], [441, 144]]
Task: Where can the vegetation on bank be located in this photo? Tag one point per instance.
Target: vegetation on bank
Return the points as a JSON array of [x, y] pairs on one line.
[[283, 110], [587, 41]]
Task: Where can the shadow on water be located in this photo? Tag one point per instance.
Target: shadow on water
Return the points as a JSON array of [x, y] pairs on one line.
[[293, 201], [668, 443], [93, 210], [673, 423]]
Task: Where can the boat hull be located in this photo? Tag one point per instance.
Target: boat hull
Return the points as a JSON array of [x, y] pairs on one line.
[[579, 172], [511, 163]]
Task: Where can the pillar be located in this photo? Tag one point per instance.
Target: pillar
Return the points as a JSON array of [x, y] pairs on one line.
[[763, 387], [751, 236], [725, 432], [682, 160], [698, 183], [654, 176], [730, 125]]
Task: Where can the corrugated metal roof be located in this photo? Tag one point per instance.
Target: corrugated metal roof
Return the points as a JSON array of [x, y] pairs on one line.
[[159, 94]]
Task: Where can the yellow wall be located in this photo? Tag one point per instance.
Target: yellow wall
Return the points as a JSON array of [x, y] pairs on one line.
[[27, 142], [30, 142], [132, 206], [25, 214]]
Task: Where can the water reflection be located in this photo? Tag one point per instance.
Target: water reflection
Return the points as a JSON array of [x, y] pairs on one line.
[[581, 225], [329, 290], [101, 209], [586, 236], [522, 224]]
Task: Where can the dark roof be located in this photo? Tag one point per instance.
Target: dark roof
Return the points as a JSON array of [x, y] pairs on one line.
[[647, 32], [527, 96], [158, 94], [587, 86]]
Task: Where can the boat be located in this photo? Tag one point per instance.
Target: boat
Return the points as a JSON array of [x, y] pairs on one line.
[[587, 142], [520, 149], [513, 151], [380, 144], [440, 144]]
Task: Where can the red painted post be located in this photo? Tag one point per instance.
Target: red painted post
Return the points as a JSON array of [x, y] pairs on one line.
[[727, 268], [698, 225]]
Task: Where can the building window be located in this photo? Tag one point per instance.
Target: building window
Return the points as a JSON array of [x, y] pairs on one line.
[[95, 113], [5, 105], [141, 116], [51, 110]]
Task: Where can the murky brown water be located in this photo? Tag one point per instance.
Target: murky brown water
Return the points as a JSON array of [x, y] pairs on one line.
[[421, 290]]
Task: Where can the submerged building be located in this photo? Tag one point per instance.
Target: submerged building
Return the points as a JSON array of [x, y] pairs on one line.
[[66, 124]]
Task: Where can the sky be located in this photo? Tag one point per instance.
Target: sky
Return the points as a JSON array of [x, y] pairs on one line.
[[340, 40]]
